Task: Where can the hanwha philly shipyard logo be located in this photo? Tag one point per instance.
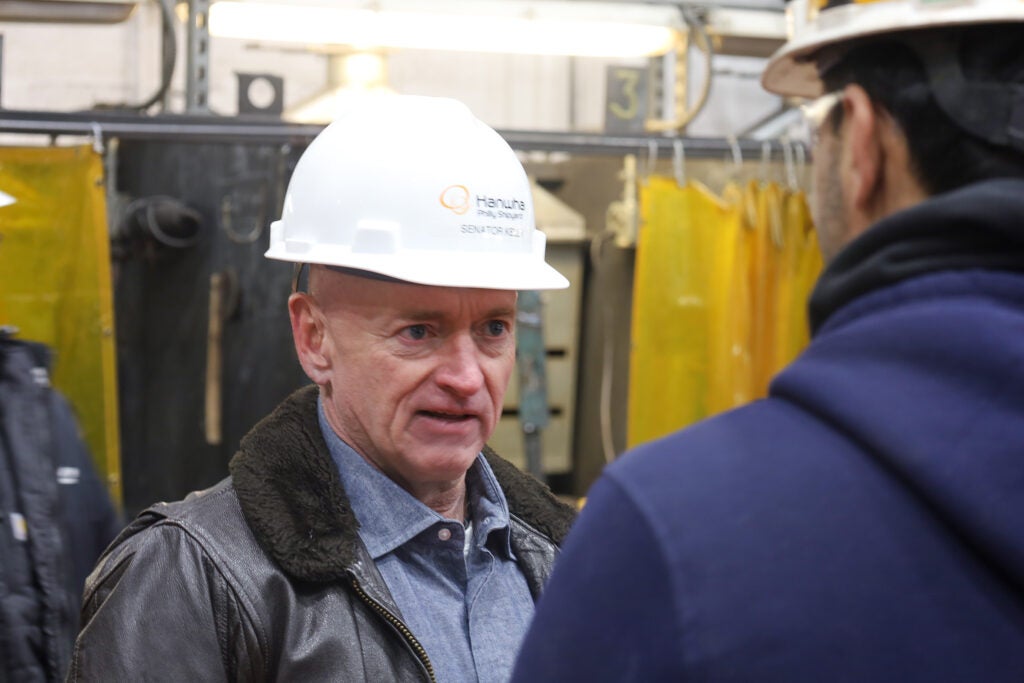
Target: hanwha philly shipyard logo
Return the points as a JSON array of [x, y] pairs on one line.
[[455, 198]]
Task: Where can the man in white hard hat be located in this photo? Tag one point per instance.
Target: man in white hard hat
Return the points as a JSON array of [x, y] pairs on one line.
[[366, 532], [864, 522]]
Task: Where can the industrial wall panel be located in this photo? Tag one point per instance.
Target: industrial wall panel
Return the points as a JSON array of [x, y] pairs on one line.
[[507, 440], [162, 303]]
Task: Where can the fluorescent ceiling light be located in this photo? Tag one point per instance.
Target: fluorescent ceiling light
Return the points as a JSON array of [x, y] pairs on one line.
[[549, 27]]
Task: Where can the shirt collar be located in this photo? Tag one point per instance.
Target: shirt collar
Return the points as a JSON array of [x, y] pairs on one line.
[[488, 508], [389, 516]]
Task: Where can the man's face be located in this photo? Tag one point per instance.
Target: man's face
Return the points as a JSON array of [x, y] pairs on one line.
[[415, 375]]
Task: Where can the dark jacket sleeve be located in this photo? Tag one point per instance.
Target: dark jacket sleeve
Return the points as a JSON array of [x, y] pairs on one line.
[[156, 609], [87, 513], [608, 613]]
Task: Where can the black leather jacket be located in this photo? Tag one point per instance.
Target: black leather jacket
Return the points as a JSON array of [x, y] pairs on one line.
[[263, 576]]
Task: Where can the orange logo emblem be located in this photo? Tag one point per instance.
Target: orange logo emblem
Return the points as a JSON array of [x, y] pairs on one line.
[[456, 198]]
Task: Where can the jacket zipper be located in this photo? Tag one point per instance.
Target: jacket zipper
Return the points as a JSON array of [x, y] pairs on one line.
[[397, 623]]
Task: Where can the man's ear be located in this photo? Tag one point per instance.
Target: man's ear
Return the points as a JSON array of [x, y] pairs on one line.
[[865, 154], [309, 333]]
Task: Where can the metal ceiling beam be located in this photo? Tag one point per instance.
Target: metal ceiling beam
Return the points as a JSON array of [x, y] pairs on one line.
[[211, 129], [66, 11]]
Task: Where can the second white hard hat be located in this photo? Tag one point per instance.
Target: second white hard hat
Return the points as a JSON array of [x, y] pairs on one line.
[[418, 189], [818, 25]]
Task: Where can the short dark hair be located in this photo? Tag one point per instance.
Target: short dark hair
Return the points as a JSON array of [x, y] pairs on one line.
[[943, 156]]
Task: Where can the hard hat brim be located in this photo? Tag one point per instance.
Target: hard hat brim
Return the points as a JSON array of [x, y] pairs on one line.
[[441, 269], [793, 69]]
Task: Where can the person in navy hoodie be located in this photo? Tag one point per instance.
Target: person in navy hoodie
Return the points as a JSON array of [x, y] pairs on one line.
[[865, 522]]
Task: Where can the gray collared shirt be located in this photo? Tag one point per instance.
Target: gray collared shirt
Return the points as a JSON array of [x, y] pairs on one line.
[[466, 602]]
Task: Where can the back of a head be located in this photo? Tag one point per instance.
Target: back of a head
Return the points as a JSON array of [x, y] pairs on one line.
[[951, 75], [892, 71]]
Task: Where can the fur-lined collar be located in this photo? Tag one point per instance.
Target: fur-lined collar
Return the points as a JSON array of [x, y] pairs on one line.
[[295, 505]]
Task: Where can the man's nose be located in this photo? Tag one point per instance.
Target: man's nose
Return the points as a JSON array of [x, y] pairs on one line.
[[459, 370]]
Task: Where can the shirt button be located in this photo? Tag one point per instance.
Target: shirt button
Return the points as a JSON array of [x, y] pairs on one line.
[[444, 534]]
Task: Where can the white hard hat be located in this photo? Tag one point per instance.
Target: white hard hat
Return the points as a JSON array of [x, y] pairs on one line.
[[816, 25], [417, 189]]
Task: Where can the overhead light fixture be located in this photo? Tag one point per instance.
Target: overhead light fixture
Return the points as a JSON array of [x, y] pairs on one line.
[[351, 76], [539, 27], [6, 199]]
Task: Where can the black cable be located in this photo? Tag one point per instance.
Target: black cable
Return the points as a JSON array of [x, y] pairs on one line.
[[169, 57]]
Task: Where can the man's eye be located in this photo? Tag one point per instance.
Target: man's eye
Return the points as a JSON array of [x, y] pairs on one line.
[[496, 328], [416, 332]]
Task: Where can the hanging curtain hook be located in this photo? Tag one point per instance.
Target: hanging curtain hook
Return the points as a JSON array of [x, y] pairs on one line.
[[97, 137], [787, 152], [679, 161], [652, 158], [766, 159], [737, 153], [801, 160]]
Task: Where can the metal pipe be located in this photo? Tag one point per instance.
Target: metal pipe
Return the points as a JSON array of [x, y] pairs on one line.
[[211, 129]]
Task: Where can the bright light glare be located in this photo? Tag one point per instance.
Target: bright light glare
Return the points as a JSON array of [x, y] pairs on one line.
[[364, 70], [367, 29]]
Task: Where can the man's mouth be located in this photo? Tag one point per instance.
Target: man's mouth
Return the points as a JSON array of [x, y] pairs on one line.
[[446, 416]]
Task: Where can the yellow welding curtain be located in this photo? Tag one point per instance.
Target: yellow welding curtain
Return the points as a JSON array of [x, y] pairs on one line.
[[719, 299], [55, 283], [674, 305]]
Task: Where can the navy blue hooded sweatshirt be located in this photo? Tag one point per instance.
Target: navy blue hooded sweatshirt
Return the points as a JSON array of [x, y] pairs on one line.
[[865, 522]]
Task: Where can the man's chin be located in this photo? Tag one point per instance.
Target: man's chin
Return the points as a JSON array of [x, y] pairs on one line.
[[451, 459]]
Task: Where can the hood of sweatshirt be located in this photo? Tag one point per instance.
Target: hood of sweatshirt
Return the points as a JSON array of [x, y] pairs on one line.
[[918, 355]]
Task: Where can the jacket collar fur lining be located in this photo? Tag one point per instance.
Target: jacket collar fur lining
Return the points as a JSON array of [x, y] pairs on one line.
[[295, 505]]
